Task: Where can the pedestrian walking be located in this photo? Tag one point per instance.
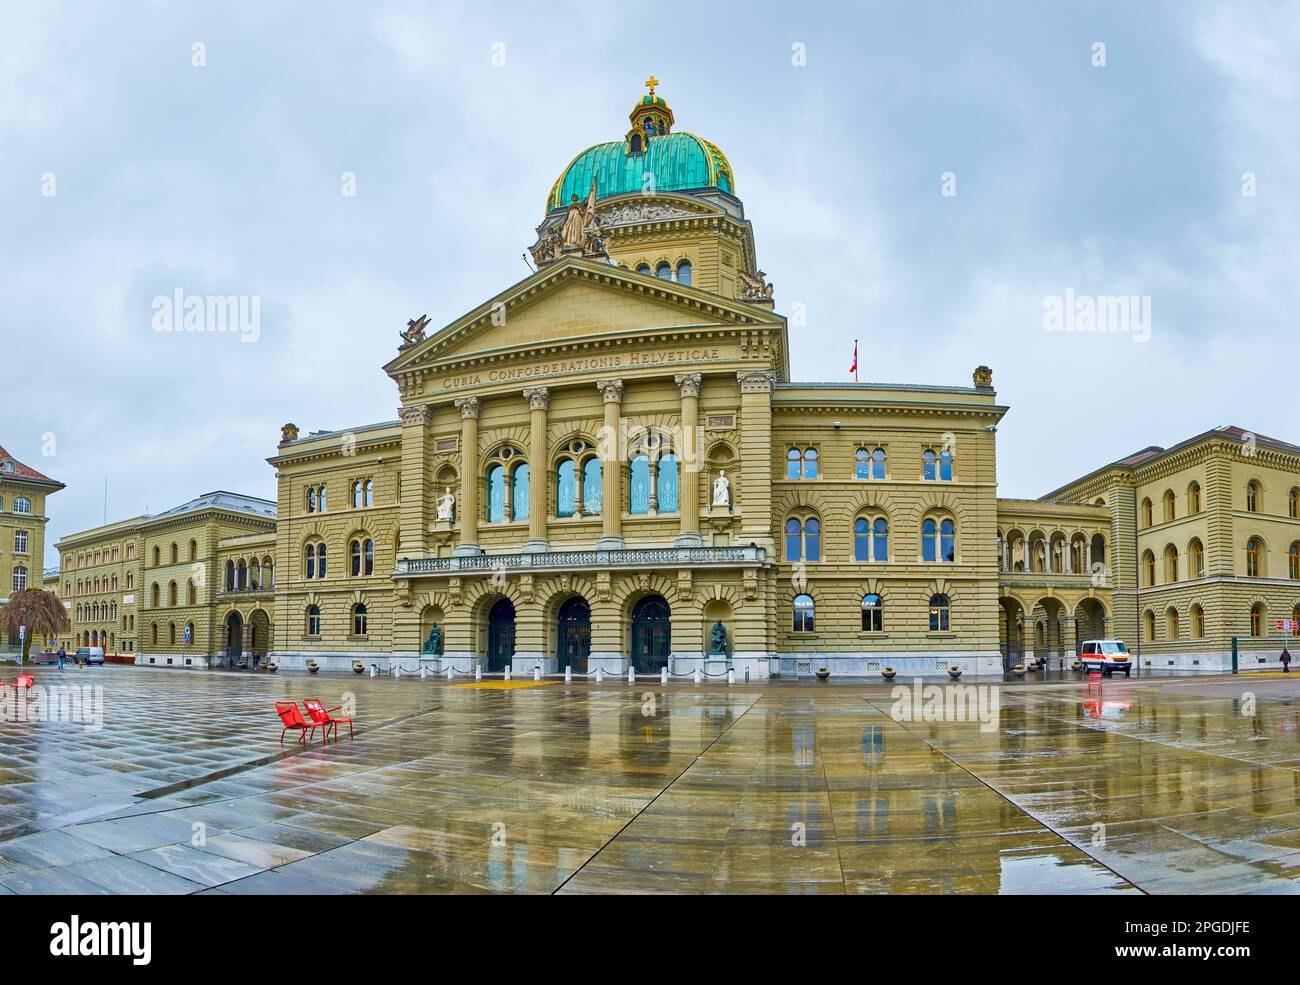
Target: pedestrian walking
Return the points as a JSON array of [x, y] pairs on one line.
[[1286, 660], [63, 655]]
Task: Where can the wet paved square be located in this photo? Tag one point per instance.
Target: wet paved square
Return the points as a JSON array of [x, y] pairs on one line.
[[1157, 786]]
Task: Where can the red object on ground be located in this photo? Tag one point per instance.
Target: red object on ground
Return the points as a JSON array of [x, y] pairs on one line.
[[321, 716], [23, 680], [292, 719]]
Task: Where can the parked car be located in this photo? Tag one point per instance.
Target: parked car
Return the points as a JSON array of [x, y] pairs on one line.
[[90, 655], [1108, 656]]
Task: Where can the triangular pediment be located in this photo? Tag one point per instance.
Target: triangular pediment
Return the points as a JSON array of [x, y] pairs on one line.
[[575, 300]]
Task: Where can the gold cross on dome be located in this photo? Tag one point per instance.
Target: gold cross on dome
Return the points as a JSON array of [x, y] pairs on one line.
[[651, 83]]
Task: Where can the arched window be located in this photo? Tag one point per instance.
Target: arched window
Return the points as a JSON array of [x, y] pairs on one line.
[[928, 465], [684, 272], [191, 593], [171, 633], [638, 488], [1254, 553], [194, 550], [938, 540], [358, 494], [862, 464], [1293, 561], [1147, 517], [1149, 625], [370, 492], [1148, 568], [1169, 505], [362, 550], [360, 626], [1293, 504], [314, 560], [22, 504], [880, 539], [1194, 498], [804, 610], [173, 555], [230, 576], [861, 539], [1171, 563], [566, 488], [1198, 623], [873, 614], [171, 593], [311, 499], [153, 633], [155, 595], [642, 268], [801, 463], [803, 539], [1256, 620], [940, 614], [313, 620], [496, 499], [1252, 497], [591, 486], [664, 271], [945, 466], [1171, 623], [666, 485], [157, 556]]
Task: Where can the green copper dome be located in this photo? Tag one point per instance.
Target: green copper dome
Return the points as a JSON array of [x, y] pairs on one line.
[[678, 161]]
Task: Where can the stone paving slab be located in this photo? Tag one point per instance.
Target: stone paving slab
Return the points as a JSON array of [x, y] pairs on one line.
[[1157, 786]]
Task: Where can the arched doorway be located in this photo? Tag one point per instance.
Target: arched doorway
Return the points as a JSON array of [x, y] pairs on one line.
[[573, 634], [651, 635], [501, 635], [259, 635], [1089, 620], [234, 638]]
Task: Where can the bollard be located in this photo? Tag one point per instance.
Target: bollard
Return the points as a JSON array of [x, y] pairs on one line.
[[374, 671], [746, 673], [478, 672], [600, 675], [451, 669], [509, 667], [537, 672], [396, 670], [424, 671], [698, 675], [731, 675], [568, 674], [663, 675], [631, 674]]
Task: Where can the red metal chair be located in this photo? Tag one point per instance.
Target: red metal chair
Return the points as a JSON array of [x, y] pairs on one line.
[[321, 716], [292, 719], [23, 680]]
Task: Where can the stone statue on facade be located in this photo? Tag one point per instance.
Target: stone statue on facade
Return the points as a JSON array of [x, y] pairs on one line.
[[722, 490], [433, 645], [447, 505], [756, 287], [414, 331], [718, 638]]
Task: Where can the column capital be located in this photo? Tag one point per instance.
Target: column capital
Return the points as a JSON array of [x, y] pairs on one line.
[[413, 415], [688, 384], [610, 390], [756, 380], [538, 397], [469, 407]]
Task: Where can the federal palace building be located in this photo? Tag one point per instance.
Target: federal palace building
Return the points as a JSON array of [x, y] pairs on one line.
[[608, 462]]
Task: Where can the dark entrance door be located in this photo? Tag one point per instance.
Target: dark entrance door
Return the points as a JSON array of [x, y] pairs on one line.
[[573, 634], [501, 635], [651, 635], [234, 638]]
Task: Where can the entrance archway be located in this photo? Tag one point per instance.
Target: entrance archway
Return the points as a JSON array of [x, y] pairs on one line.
[[234, 637], [651, 634], [1090, 620], [259, 635], [573, 634], [501, 635]]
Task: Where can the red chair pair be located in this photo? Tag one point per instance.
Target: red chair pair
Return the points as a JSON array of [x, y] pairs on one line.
[[23, 680], [292, 719]]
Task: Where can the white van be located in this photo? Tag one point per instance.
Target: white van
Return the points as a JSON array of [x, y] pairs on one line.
[[90, 655], [1107, 656]]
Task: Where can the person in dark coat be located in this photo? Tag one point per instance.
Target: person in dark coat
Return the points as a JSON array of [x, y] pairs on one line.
[[1286, 660]]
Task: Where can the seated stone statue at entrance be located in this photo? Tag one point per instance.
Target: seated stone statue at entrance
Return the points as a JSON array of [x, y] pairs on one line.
[[718, 642], [433, 645]]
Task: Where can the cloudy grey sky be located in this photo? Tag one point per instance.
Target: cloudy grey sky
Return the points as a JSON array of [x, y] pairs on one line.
[[1122, 179]]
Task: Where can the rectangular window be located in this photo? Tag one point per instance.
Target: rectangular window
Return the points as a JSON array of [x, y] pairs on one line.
[[20, 541]]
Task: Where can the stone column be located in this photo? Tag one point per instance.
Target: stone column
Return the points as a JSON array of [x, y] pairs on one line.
[[756, 454], [1006, 555], [1029, 567], [539, 399], [413, 522], [1087, 556], [688, 460], [468, 506], [611, 467], [1069, 639]]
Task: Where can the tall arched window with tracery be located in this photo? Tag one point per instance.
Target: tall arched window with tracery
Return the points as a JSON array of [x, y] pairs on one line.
[[803, 539], [1254, 557], [507, 486], [938, 539]]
